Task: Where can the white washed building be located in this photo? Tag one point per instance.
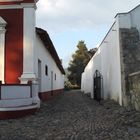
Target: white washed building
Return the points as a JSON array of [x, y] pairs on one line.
[[29, 64], [48, 66], [117, 59]]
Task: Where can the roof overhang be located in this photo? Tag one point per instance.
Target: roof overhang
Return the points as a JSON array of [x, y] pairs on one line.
[[50, 47]]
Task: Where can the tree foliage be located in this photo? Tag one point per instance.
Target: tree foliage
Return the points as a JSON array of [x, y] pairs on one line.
[[91, 52], [76, 66]]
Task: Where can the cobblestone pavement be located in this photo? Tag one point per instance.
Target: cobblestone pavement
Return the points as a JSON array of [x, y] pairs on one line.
[[74, 116]]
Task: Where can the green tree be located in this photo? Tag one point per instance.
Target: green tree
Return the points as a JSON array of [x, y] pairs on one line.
[[76, 66], [91, 52]]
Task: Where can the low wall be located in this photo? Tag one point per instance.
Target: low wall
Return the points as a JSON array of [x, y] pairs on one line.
[[18, 100], [10, 91], [12, 95], [134, 87], [130, 63], [45, 96]]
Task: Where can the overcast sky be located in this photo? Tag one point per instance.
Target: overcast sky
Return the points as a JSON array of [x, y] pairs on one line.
[[69, 21]]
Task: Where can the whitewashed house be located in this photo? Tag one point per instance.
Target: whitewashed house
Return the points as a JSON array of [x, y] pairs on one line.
[[48, 66], [29, 64], [118, 61]]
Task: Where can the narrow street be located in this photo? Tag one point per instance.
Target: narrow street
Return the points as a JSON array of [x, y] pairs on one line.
[[74, 116]]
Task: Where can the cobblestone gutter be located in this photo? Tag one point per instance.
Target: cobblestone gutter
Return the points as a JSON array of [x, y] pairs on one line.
[[130, 65]]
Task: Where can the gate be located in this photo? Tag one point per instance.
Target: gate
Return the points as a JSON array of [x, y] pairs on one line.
[[98, 84]]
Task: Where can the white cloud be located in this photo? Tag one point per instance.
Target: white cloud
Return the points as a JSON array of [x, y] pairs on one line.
[[68, 21], [74, 14]]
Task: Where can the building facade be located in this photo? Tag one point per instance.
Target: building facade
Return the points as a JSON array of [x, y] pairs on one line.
[[48, 68], [118, 61], [29, 64]]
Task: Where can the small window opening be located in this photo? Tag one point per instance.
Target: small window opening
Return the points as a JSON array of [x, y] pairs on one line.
[[46, 70]]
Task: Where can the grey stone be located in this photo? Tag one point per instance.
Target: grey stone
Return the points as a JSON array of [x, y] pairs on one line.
[[130, 62], [74, 116]]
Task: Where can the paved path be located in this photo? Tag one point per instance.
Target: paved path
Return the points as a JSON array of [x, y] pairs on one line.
[[74, 116]]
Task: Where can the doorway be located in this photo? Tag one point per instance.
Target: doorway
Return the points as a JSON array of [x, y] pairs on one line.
[[39, 75], [98, 85], [52, 83]]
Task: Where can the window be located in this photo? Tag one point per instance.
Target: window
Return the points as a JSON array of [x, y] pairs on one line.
[[46, 70]]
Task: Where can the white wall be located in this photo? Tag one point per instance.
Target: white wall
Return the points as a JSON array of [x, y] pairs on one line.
[[15, 92], [135, 17], [87, 77], [110, 62], [130, 19], [124, 20], [44, 56], [15, 95], [107, 61], [110, 58]]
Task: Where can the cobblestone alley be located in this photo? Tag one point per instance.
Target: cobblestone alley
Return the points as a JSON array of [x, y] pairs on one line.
[[74, 116]]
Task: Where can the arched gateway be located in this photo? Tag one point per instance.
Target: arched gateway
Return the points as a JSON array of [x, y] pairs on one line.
[[98, 85]]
